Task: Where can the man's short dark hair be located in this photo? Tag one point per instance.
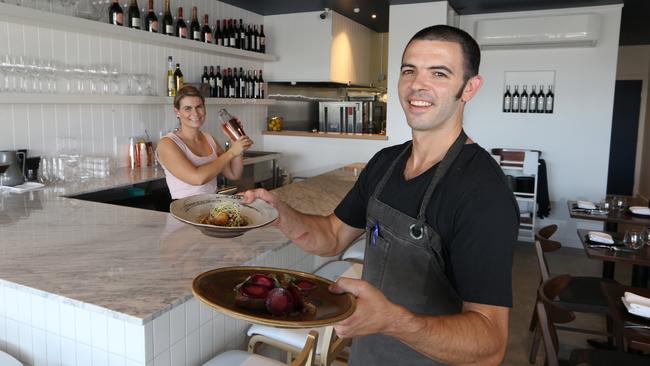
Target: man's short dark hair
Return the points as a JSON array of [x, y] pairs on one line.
[[469, 47]]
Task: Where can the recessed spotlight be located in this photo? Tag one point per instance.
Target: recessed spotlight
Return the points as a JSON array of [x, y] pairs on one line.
[[374, 16], [356, 10]]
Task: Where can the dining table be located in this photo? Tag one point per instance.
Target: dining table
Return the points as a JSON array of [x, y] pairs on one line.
[[611, 218], [629, 329], [639, 258]]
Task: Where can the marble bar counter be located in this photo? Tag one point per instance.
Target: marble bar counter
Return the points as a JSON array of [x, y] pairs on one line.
[[86, 283]]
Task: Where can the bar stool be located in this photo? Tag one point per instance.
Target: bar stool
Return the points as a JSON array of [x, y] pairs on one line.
[[242, 358], [329, 346]]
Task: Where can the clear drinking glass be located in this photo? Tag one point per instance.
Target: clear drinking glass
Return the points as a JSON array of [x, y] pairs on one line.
[[646, 235], [634, 239], [620, 203]]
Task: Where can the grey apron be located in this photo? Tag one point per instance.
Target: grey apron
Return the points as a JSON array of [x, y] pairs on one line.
[[404, 260]]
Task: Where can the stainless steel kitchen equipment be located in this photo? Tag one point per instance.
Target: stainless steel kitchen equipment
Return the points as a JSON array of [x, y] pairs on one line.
[[344, 117], [13, 176]]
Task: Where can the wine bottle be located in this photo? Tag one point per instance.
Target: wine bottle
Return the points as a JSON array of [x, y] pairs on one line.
[[249, 85], [242, 35], [523, 101], [242, 83], [237, 83], [205, 78], [235, 30], [151, 20], [262, 86], [262, 39], [171, 84], [232, 93], [115, 14], [550, 96], [206, 32], [515, 100], [219, 83], [212, 81], [133, 15], [178, 78], [226, 84], [256, 86], [532, 101], [195, 27], [541, 100], [232, 33], [256, 40], [249, 38], [218, 37], [226, 36], [168, 21], [181, 27], [507, 99]]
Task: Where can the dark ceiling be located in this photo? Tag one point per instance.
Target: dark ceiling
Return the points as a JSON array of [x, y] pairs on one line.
[[634, 23]]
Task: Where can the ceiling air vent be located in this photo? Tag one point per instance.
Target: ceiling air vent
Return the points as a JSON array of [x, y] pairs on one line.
[[577, 30]]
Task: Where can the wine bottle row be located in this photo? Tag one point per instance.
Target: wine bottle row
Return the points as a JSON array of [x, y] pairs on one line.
[[234, 84], [241, 36], [535, 102]]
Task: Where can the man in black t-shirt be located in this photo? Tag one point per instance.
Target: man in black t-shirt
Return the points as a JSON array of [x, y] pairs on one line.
[[440, 224]]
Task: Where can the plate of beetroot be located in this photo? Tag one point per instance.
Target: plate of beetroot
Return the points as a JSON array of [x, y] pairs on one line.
[[273, 296]]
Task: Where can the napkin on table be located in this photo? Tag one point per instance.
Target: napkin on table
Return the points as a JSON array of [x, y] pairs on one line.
[[25, 187], [587, 205], [598, 237], [640, 304], [640, 210]]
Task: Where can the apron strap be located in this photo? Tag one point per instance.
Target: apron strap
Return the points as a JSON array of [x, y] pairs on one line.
[[389, 172], [416, 230]]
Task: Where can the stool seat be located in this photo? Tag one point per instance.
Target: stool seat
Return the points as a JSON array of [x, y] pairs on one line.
[[242, 358], [7, 360], [292, 337]]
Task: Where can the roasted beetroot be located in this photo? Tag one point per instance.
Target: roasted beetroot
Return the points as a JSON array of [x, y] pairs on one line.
[[279, 302], [262, 280], [256, 291], [298, 298], [252, 297], [305, 285]]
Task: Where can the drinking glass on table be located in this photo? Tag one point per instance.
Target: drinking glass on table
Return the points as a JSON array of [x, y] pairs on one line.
[[646, 236], [620, 203], [634, 239]]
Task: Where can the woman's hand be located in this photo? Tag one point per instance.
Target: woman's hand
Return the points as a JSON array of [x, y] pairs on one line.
[[238, 147]]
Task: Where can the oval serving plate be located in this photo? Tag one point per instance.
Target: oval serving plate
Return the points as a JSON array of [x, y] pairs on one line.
[[215, 288], [190, 209]]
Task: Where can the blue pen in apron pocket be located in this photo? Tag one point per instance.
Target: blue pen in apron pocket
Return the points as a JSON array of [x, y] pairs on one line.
[[375, 233]]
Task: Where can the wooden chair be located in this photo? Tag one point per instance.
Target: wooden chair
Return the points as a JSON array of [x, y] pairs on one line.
[[329, 347], [551, 312], [236, 358], [583, 295]]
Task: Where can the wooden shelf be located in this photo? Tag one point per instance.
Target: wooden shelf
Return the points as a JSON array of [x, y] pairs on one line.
[[10, 13], [334, 135], [25, 98]]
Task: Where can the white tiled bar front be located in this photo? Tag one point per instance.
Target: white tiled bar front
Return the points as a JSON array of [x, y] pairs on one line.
[[84, 283]]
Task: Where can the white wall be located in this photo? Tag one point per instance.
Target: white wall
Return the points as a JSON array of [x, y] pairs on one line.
[[574, 140], [104, 129], [405, 21]]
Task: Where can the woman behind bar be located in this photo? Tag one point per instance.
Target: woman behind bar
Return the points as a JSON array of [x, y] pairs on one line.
[[191, 158]]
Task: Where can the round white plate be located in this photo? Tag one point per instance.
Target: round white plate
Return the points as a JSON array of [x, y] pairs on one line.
[[190, 209]]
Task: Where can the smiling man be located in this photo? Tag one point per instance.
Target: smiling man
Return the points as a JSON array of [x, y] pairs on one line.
[[440, 224]]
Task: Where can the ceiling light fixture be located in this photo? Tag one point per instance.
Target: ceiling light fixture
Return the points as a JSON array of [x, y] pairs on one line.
[[356, 10], [374, 16]]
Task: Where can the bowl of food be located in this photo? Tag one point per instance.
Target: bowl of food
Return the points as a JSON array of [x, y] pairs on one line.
[[222, 216]]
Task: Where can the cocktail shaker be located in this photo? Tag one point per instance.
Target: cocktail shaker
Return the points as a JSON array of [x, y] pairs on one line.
[[231, 125]]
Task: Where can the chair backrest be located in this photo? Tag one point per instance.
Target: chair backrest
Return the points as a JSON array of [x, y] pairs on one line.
[[549, 346], [308, 354], [543, 246], [546, 232], [552, 312]]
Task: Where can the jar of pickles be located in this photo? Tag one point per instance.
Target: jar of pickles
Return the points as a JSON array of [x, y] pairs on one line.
[[275, 124]]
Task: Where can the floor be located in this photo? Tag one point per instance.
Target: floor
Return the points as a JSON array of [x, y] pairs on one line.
[[525, 282]]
